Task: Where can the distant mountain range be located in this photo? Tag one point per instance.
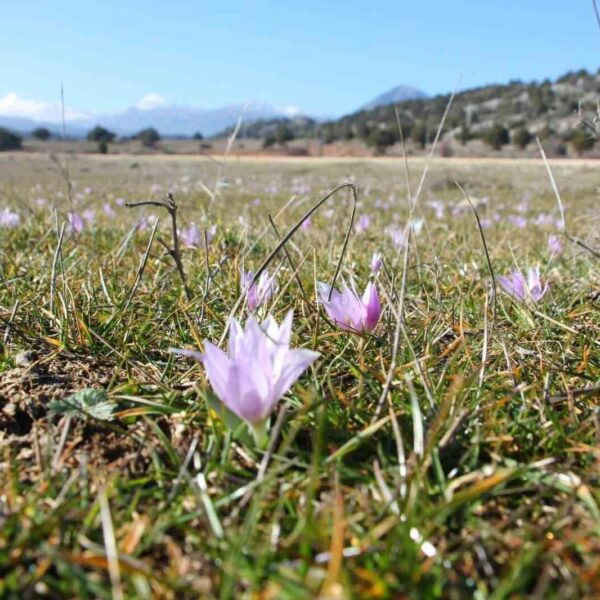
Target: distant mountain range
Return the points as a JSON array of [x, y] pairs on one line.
[[151, 111], [154, 111], [548, 109]]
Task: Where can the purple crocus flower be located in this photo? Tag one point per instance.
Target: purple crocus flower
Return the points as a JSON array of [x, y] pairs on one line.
[[520, 288], [306, 224], [555, 246], [518, 220], [88, 216], [398, 237], [376, 262], [362, 224], [191, 236], [75, 222], [258, 370], [109, 211], [347, 310], [258, 292], [8, 218]]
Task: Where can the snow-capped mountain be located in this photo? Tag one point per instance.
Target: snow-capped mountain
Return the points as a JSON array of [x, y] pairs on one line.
[[150, 111]]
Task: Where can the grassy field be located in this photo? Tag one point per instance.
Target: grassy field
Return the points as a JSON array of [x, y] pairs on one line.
[[452, 452]]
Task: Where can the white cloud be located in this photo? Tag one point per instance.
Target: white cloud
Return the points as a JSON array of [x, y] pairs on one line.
[[290, 111], [12, 105], [150, 102]]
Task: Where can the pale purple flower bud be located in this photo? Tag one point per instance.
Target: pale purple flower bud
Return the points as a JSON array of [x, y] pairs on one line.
[[347, 310], [109, 211], [363, 223], [260, 292], [75, 222], [555, 246], [520, 288], [258, 370], [398, 237], [306, 224], [8, 218], [438, 207], [534, 284], [376, 262], [191, 236], [518, 220], [88, 215], [544, 219]]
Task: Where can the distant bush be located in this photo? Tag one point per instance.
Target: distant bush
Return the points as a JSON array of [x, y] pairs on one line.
[[464, 135], [9, 140], [197, 136], [41, 133], [582, 141], [380, 139], [419, 134], [496, 136], [446, 149], [100, 134], [148, 137], [521, 137], [103, 147], [269, 140], [283, 134]]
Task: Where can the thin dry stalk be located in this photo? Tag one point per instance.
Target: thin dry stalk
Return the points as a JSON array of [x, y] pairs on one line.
[[175, 253]]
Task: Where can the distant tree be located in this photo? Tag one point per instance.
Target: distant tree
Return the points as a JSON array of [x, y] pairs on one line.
[[582, 141], [283, 134], [446, 149], [496, 136], [148, 137], [419, 134], [327, 134], [99, 134], [362, 130], [9, 140], [546, 132], [269, 140], [103, 147], [380, 139], [464, 135], [521, 137], [197, 136], [41, 133]]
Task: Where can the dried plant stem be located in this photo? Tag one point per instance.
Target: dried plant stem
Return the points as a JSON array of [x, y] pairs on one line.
[[175, 253], [287, 237], [61, 236], [292, 266], [485, 248]]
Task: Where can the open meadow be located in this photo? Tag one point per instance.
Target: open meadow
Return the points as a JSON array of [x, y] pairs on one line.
[[443, 443]]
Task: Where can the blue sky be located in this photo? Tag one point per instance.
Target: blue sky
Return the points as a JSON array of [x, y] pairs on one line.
[[326, 57]]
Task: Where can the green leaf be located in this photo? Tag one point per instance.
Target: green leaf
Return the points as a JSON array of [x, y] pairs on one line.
[[84, 403]]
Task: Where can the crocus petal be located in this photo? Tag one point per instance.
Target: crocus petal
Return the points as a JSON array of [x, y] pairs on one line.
[[218, 370], [371, 301], [297, 361]]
